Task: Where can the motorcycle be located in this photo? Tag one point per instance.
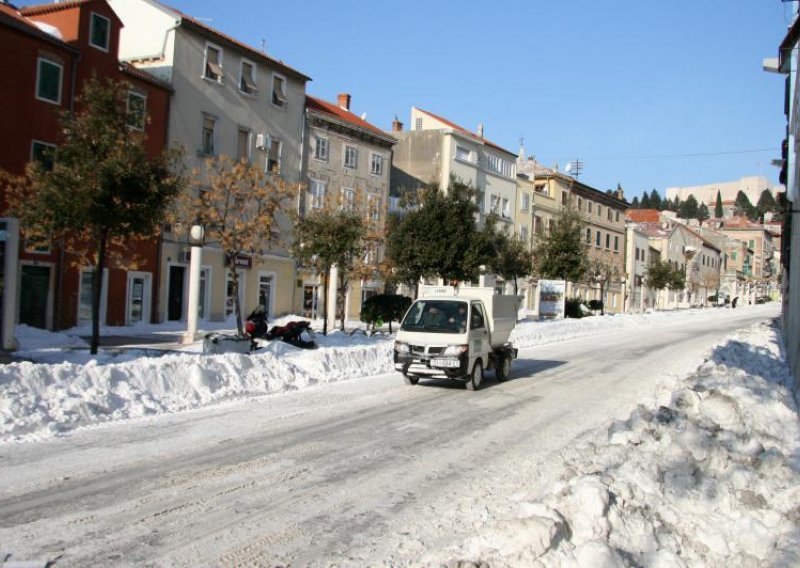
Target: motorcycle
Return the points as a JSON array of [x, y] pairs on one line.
[[257, 327]]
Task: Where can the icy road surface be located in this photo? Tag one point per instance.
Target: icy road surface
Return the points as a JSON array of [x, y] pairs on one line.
[[362, 472]]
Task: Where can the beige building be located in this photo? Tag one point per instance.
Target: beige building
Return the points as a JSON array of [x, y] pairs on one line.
[[764, 269], [604, 215], [638, 297], [232, 99], [349, 160], [684, 248], [752, 186], [437, 149]]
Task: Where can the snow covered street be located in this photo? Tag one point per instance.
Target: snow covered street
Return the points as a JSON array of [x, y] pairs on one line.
[[652, 440]]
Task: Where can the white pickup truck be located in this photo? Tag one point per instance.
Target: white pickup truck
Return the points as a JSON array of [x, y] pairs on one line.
[[456, 334]]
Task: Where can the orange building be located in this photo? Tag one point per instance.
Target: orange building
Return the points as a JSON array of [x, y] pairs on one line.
[[49, 51]]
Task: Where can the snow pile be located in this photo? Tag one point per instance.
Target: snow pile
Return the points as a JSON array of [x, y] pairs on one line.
[[707, 476], [123, 384], [64, 387]]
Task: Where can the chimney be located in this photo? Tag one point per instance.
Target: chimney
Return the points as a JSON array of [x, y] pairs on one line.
[[480, 130], [344, 101], [397, 126]]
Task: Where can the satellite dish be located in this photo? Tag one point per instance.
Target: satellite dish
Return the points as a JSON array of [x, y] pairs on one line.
[[568, 167]]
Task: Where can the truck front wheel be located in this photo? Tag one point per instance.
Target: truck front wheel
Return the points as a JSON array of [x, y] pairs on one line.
[[503, 368], [474, 381], [410, 379]]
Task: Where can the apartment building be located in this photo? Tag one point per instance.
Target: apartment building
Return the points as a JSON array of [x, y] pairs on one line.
[[51, 50], [228, 98], [348, 161], [437, 149], [686, 249]]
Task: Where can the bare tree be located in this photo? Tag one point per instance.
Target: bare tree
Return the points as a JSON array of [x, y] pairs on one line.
[[239, 205]]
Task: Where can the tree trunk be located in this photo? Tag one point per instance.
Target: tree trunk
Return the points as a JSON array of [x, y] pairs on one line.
[[342, 297], [237, 307], [97, 289], [325, 278]]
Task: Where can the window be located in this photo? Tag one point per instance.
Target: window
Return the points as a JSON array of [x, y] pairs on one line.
[[243, 145], [616, 216], [542, 188], [247, 78], [43, 153], [350, 157], [589, 206], [537, 224], [317, 190], [526, 202], [564, 197], [213, 64], [506, 212], [348, 198], [207, 140], [609, 214], [48, 81], [523, 232], [274, 157], [608, 241], [99, 32], [321, 149], [494, 201], [597, 238], [279, 90], [616, 243], [588, 236], [376, 165], [599, 210], [229, 296], [580, 204], [137, 110], [461, 152], [374, 207], [418, 124], [265, 284], [477, 320]]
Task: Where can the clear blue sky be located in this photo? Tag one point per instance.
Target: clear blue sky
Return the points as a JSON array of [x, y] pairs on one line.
[[625, 86]]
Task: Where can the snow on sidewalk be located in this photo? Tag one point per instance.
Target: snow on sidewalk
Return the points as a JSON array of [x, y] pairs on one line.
[[707, 475]]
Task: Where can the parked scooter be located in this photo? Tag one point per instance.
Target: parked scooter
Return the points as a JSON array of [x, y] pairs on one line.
[[257, 327]]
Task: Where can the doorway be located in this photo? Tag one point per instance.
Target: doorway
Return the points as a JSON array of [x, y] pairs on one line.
[[138, 300], [177, 276], [34, 294]]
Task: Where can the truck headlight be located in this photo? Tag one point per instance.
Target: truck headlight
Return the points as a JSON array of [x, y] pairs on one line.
[[455, 350], [401, 347]]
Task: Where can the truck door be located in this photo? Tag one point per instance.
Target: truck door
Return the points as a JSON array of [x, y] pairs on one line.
[[479, 344]]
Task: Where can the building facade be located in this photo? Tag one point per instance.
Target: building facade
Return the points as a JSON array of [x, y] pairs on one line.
[[348, 164], [51, 51], [229, 99]]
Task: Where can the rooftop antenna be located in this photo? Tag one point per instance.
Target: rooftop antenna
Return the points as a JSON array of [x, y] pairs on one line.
[[263, 45], [575, 169]]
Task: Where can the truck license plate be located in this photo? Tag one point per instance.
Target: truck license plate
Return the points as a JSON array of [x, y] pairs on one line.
[[444, 363]]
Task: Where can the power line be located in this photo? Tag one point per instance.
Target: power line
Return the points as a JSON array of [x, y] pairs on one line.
[[694, 155]]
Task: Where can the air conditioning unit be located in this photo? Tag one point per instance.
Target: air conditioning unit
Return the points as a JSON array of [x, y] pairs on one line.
[[262, 141]]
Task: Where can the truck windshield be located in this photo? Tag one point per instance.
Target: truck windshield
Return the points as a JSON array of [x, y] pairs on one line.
[[436, 316]]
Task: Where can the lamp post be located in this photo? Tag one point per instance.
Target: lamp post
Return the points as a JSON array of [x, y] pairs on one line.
[[196, 234]]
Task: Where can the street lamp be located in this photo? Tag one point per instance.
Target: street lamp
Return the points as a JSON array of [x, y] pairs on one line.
[[196, 236]]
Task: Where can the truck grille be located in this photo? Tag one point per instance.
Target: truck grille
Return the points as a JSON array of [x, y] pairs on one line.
[[420, 350]]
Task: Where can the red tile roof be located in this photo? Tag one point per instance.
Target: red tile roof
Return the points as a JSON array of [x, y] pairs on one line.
[[643, 215], [463, 130], [12, 17], [129, 69], [741, 223], [40, 9], [324, 107]]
